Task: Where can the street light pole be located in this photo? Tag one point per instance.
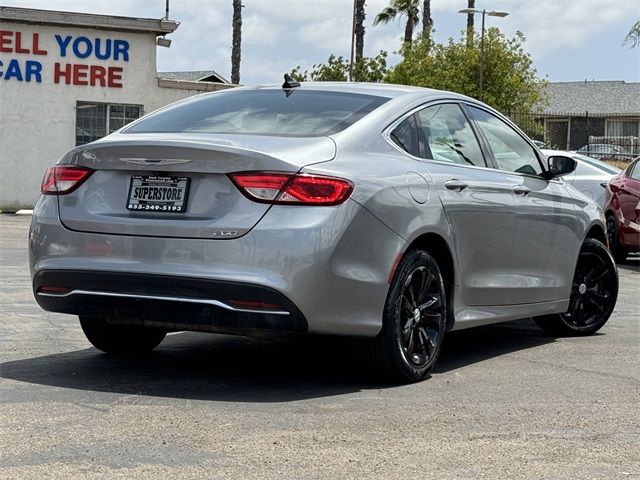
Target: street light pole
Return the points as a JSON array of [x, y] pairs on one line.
[[491, 13]]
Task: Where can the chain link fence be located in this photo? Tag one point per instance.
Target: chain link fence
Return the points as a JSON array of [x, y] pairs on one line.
[[604, 136]]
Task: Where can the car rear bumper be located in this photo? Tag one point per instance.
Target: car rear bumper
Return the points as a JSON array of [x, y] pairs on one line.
[[166, 301], [327, 266]]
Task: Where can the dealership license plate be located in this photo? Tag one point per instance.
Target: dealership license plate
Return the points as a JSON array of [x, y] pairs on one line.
[[158, 194]]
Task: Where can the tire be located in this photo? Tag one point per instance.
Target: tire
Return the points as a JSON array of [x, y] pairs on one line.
[[617, 250], [414, 320], [593, 294], [120, 339]]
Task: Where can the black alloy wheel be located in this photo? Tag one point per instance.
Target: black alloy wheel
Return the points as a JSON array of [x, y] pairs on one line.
[[593, 294], [414, 319], [613, 235]]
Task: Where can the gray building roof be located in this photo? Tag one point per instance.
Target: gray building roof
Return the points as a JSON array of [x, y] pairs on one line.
[[194, 76], [615, 97], [88, 20]]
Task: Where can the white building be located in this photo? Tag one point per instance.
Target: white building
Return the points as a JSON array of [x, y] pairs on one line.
[[69, 78]]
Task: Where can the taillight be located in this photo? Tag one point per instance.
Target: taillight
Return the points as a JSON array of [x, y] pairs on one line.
[[62, 179], [292, 189]]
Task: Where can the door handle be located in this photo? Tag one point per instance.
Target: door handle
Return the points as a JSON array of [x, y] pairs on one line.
[[521, 190], [456, 185]]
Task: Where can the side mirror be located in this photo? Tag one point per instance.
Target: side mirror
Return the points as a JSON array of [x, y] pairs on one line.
[[559, 165]]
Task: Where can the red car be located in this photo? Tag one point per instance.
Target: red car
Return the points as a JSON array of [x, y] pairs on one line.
[[622, 209]]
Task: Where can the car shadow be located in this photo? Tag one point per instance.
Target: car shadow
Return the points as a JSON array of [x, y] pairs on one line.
[[223, 368], [466, 347]]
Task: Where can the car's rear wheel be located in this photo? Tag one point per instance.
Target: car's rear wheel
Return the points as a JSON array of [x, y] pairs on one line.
[[613, 235], [120, 339], [593, 294], [414, 319]]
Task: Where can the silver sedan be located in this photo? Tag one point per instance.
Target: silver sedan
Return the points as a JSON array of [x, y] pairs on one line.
[[591, 175], [389, 212]]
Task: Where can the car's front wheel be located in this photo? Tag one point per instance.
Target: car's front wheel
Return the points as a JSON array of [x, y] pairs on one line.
[[414, 319], [120, 339], [593, 294]]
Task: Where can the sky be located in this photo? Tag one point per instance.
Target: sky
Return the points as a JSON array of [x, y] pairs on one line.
[[569, 40]]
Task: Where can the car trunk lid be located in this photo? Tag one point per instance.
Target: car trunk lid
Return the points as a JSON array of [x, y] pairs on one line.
[[178, 172]]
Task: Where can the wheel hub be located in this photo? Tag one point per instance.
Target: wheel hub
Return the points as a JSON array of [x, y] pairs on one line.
[[582, 289], [416, 316]]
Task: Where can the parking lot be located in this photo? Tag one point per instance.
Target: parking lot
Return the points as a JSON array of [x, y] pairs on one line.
[[503, 401]]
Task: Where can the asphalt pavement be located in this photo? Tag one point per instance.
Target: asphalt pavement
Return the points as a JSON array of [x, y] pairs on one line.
[[504, 401]]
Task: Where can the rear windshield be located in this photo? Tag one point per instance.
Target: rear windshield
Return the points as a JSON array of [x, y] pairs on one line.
[[263, 112]]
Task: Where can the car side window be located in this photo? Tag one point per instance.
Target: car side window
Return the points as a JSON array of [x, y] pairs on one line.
[[511, 152], [405, 135], [448, 137], [634, 172]]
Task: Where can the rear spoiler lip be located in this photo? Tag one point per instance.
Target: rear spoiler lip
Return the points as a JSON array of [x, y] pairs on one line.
[[292, 153]]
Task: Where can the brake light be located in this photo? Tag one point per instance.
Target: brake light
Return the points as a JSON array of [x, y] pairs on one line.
[[63, 179], [292, 189]]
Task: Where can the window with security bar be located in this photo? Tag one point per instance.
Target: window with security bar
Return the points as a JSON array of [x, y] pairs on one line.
[[95, 120]]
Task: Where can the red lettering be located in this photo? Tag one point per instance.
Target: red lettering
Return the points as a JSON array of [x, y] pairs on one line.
[[5, 39], [36, 45], [114, 75], [94, 75], [59, 73], [18, 47], [80, 75], [97, 74]]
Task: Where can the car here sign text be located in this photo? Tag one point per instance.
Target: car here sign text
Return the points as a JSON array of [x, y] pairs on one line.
[[79, 57]]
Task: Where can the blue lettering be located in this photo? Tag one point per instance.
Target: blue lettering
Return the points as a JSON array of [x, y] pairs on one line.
[[63, 44], [107, 49], [33, 69], [1, 65], [121, 47], [13, 70], [88, 49]]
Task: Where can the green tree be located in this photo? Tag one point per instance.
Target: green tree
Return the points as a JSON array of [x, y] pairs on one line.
[[336, 69], [511, 82], [399, 8], [633, 37]]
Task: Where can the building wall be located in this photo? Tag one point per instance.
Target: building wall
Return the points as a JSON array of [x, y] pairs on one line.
[[37, 114]]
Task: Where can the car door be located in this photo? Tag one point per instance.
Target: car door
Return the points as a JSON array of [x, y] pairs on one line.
[[547, 231], [477, 201], [629, 197]]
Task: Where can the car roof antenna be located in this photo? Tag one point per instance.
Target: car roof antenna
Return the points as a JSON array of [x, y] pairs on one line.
[[289, 82]]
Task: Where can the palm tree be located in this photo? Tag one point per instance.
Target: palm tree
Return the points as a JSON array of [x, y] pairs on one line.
[[633, 37], [427, 21], [359, 28], [470, 4], [397, 8], [236, 41]]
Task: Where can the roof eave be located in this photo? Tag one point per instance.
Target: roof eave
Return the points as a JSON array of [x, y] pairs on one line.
[[88, 20]]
